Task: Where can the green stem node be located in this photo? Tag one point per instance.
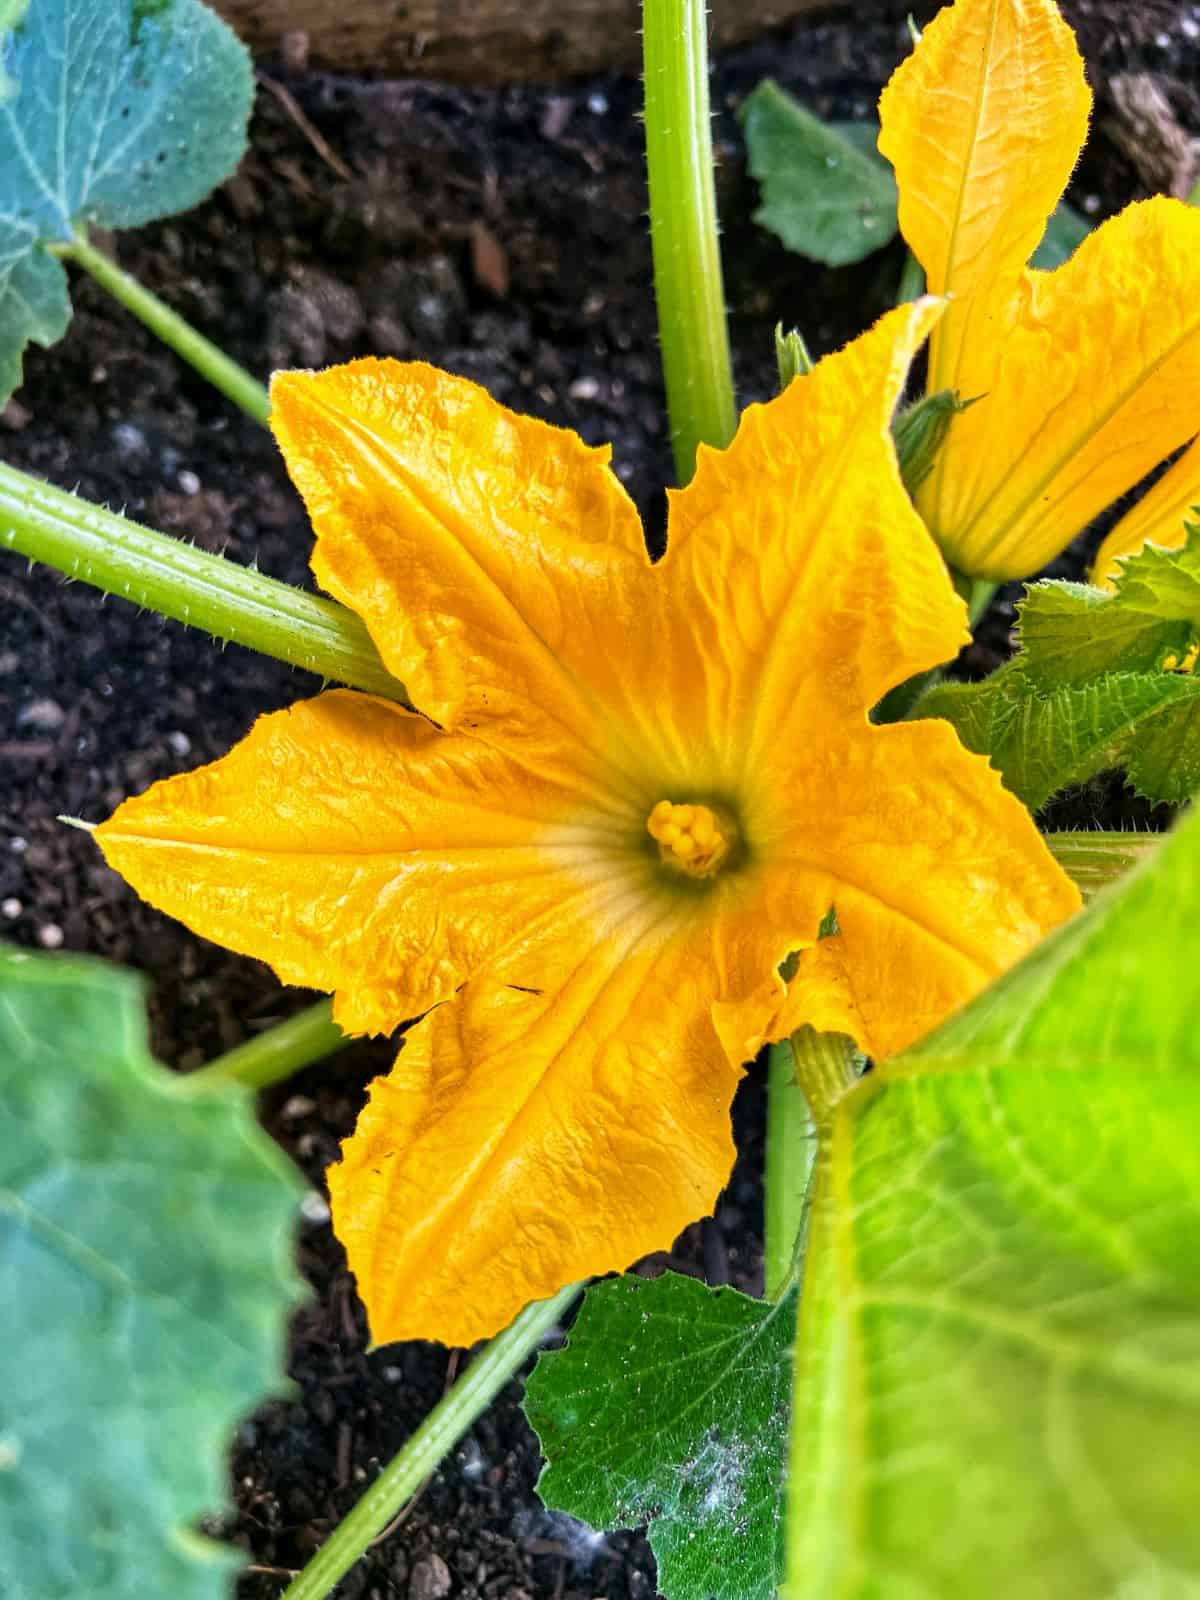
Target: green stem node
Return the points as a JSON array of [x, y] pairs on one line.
[[683, 230], [431, 1443], [173, 578], [210, 362], [274, 1054]]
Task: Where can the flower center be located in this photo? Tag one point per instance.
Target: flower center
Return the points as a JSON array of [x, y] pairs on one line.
[[695, 839]]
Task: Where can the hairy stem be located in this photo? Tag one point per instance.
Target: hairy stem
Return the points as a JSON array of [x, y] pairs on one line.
[[210, 362], [791, 1151], [173, 578], [433, 1440], [683, 230], [1094, 860], [274, 1054]]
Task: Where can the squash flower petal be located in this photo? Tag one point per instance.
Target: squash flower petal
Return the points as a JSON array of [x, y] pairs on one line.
[[1083, 379], [635, 790], [1160, 517]]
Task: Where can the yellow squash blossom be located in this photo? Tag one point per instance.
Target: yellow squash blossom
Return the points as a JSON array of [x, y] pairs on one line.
[[635, 789], [1084, 378], [1162, 516]]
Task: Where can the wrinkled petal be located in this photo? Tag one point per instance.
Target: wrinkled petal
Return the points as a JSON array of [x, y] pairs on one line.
[[523, 1142], [983, 124], [477, 545], [940, 881], [1160, 517], [355, 848], [805, 576], [1100, 380]]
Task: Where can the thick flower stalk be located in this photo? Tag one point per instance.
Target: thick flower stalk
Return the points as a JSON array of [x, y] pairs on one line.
[[1084, 378], [633, 792]]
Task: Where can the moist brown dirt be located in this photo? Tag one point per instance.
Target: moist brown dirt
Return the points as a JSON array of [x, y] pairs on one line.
[[499, 234]]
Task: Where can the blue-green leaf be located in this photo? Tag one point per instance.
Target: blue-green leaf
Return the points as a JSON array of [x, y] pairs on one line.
[[145, 1276], [114, 112], [827, 195]]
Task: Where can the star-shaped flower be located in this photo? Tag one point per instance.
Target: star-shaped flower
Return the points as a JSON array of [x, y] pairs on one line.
[[1083, 378], [634, 791]]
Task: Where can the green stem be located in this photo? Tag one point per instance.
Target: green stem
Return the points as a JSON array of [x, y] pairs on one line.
[[683, 229], [431, 1443], [791, 1152], [189, 585], [209, 361], [980, 596], [274, 1054], [912, 280], [1094, 860]]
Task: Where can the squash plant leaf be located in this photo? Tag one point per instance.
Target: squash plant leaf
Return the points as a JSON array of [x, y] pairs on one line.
[[669, 1406], [145, 1273], [998, 1358], [1101, 680], [824, 195], [112, 113]]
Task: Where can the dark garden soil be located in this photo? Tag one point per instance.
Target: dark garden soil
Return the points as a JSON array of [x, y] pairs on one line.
[[499, 234]]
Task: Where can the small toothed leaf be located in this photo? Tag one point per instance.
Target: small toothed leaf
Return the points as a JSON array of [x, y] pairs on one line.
[[145, 1274], [669, 1406], [1102, 680], [113, 113]]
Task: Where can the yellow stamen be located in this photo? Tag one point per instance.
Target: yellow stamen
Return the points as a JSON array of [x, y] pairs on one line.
[[691, 838]]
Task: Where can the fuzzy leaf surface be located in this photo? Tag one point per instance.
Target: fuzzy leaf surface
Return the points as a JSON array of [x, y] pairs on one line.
[[668, 1406], [112, 113], [824, 195], [145, 1271], [1102, 680], [1044, 741], [998, 1358]]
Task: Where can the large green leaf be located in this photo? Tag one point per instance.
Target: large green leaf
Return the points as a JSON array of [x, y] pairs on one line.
[[668, 1406], [1101, 680], [145, 1275], [114, 112], [998, 1359], [824, 195]]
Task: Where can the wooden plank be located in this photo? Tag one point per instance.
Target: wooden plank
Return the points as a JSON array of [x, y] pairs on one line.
[[480, 41]]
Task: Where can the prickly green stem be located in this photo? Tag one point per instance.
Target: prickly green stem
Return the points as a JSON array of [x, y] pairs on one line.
[[683, 230], [1094, 860], [189, 585], [441, 1430]]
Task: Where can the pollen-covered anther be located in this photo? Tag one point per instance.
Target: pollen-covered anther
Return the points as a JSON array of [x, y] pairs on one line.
[[691, 838]]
